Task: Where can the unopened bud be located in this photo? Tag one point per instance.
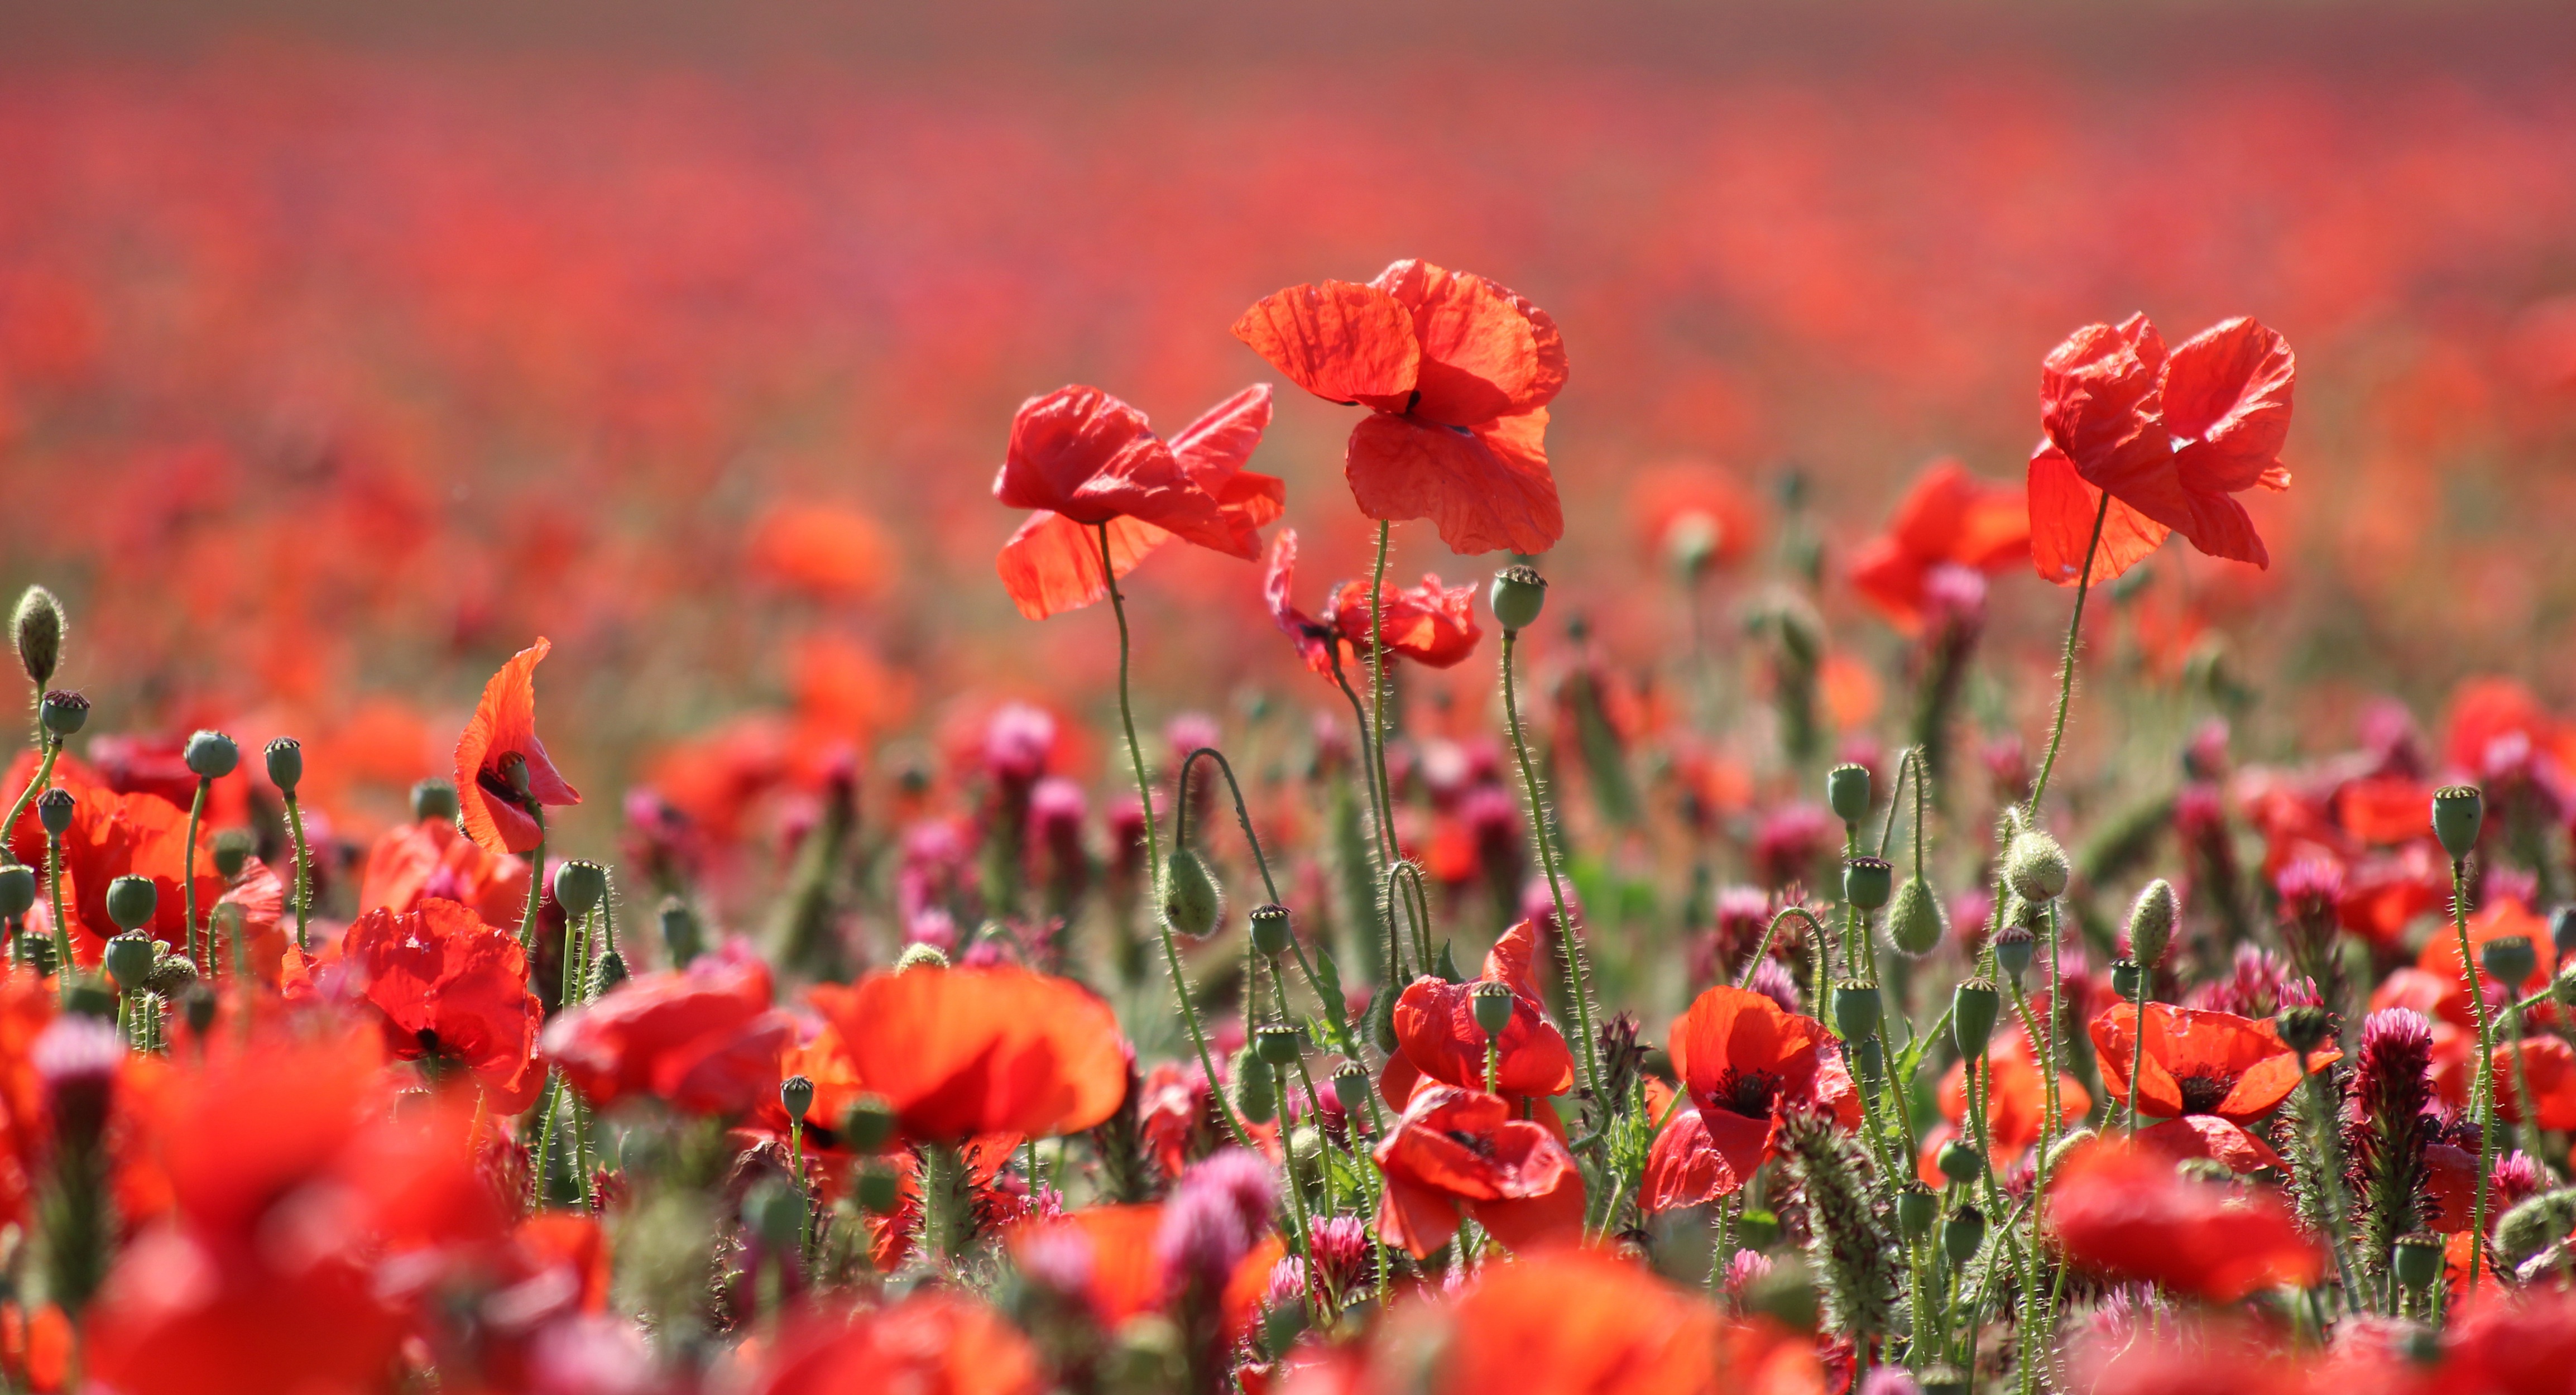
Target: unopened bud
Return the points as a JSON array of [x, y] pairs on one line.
[[680, 937], [920, 956], [880, 1191], [1191, 901], [1493, 1004], [1959, 1161], [129, 956], [2065, 1147], [54, 809], [2151, 922], [2458, 812], [579, 887], [774, 1211], [2509, 959], [2304, 1027], [1973, 1009], [1517, 597], [434, 800], [211, 755], [1256, 1088], [37, 630], [172, 974], [198, 1005], [2036, 867], [285, 757], [63, 713], [868, 1124], [233, 848], [1868, 882], [1847, 792], [1272, 933], [2563, 986], [131, 902], [1276, 1043], [796, 1095], [607, 974], [17, 890], [1917, 923]]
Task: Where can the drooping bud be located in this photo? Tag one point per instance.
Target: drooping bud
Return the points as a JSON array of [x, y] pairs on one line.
[[579, 887], [2013, 947], [2127, 978], [211, 755], [1277, 1043], [1492, 1000], [2036, 867], [63, 713], [680, 938], [1973, 1009], [1272, 932], [17, 890], [1868, 882], [1191, 901], [1256, 1088], [2151, 922], [54, 809], [1959, 1161], [1918, 922], [1966, 1232], [131, 901], [2065, 1147], [2417, 1258], [2458, 812], [868, 1124], [434, 799], [920, 956], [129, 957], [1857, 1008], [285, 757], [1847, 792], [1517, 597], [37, 630], [609, 972], [2509, 959], [2304, 1027]]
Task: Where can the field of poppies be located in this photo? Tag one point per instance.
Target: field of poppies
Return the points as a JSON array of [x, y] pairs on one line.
[[1455, 720]]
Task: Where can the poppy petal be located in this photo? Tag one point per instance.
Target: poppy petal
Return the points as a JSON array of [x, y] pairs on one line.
[[1052, 564], [1339, 340], [2227, 392], [1485, 490], [2062, 509], [1486, 352]]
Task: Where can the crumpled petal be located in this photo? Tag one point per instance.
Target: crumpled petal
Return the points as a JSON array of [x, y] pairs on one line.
[[1339, 340], [1485, 490]]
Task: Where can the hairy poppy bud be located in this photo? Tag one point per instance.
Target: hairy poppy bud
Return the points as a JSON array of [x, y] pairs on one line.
[[2509, 959], [1917, 923], [2535, 1224], [211, 755], [285, 758], [2036, 867], [54, 810], [1868, 882], [1493, 1005], [198, 1005], [1271, 931], [2563, 986], [1381, 1018], [131, 901], [2151, 922], [434, 799], [579, 887], [1256, 1088], [609, 972], [880, 1191], [172, 974], [679, 931], [868, 1124], [1351, 1087], [2013, 946], [2127, 978], [1519, 594], [2304, 1027], [2416, 1258], [1847, 792], [63, 713], [796, 1095], [37, 629], [1917, 1207], [233, 848], [1276, 1043], [1959, 1161], [1191, 901], [38, 951], [17, 890], [1856, 1008], [1973, 1009], [920, 956], [2458, 812], [1965, 1233], [773, 1211], [129, 956]]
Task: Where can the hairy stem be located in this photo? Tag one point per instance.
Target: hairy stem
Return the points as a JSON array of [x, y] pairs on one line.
[[1574, 954]]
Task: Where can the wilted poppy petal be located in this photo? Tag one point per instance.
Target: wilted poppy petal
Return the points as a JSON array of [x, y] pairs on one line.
[[1339, 340]]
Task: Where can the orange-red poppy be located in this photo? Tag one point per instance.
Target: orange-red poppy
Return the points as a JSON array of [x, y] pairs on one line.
[[1437, 1035], [936, 1342], [452, 989], [960, 1052], [829, 551], [115, 835], [1456, 372], [1948, 518], [1459, 1154], [1431, 624], [1746, 1061], [2199, 1062], [502, 771], [2125, 1211], [2549, 1066], [704, 1039], [432, 857], [1580, 1322], [1082, 458], [2016, 1103], [2172, 438], [2218, 1140], [1109, 1249]]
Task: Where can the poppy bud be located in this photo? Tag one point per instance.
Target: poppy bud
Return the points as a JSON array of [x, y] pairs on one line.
[[1381, 1018], [2036, 867], [63, 713], [2509, 959], [1917, 923], [2127, 978], [2151, 922], [2013, 946], [796, 1095], [198, 1004], [609, 972], [1856, 1008], [285, 758], [2304, 1027], [172, 974], [1256, 1088], [1973, 1009], [233, 848], [1277, 1044], [1847, 792], [579, 886], [868, 1123], [131, 901], [129, 956], [1868, 881], [54, 810], [1965, 1233], [211, 755], [880, 1192], [1351, 1087], [2458, 813], [1493, 1005], [37, 629], [434, 799], [679, 930], [2065, 1147], [1519, 594], [17, 890], [1917, 1207], [920, 956], [2416, 1258], [1191, 902], [2562, 930], [2563, 987], [773, 1211], [1960, 1162], [1271, 931]]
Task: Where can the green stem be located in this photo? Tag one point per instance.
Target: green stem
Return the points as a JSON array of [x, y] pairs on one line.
[[2137, 1045], [536, 887], [1565, 927], [188, 883], [62, 924], [2066, 668], [1762, 949], [303, 874], [2482, 1100], [42, 780]]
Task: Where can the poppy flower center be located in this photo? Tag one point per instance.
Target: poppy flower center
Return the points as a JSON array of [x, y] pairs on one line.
[[2202, 1094], [1477, 1144], [1748, 1093], [492, 782]]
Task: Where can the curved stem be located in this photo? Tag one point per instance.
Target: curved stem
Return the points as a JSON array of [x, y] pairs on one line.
[[2066, 668], [1574, 956], [43, 778], [1407, 874], [188, 881], [303, 874], [2482, 1098], [1241, 815], [1762, 949], [1380, 822]]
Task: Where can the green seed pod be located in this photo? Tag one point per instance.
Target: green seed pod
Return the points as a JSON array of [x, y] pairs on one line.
[[2013, 947], [2127, 978], [1916, 922], [1917, 1207], [63, 714], [796, 1095], [1847, 792], [1960, 1162], [17, 890], [2509, 959], [1272, 933], [1351, 1086], [607, 974], [2417, 1259], [131, 902], [579, 887], [2036, 867], [1973, 1009], [2459, 811], [918, 956], [1277, 1043], [37, 629], [775, 1212], [1256, 1088], [211, 755], [54, 809], [434, 799], [1868, 881], [1965, 1233], [2151, 922], [285, 758], [198, 1005], [1857, 1008], [1517, 597], [90, 997], [2303, 1027], [880, 1191], [1492, 1001], [233, 848], [868, 1124], [680, 938], [1191, 902], [129, 959]]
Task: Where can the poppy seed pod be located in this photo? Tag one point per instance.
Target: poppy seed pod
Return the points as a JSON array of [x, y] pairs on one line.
[[1973, 1009], [1276, 1043], [1917, 923], [1959, 1161], [2304, 1027], [63, 713], [1351, 1087], [54, 809], [579, 887], [609, 972], [1856, 1008], [2151, 922], [868, 1124], [2416, 1258], [1964, 1235], [920, 956], [879, 1190], [233, 848], [2036, 867], [211, 755], [2458, 813], [1191, 902], [131, 901], [2127, 978], [1917, 1207], [285, 758], [773, 1212], [796, 1095], [1868, 881], [17, 890], [2013, 946], [1492, 1001], [1517, 597], [434, 799], [2509, 959], [679, 931], [1847, 792], [37, 630], [1256, 1088], [1272, 932], [1938, 1379], [129, 959]]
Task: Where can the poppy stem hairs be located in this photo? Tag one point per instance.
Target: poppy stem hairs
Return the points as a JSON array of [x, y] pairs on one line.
[[1580, 988]]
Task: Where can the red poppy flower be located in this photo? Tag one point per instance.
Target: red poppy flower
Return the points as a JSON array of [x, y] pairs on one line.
[[2172, 439], [1082, 458], [1458, 1154], [453, 989], [1948, 518], [1579, 1322], [2016, 1103], [499, 757], [1746, 1061], [937, 1342], [1431, 624], [432, 857], [2125, 1211], [2208, 1136], [2200, 1062], [959, 1052], [1436, 1032], [2549, 1064], [1112, 1249], [704, 1039], [1456, 372]]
